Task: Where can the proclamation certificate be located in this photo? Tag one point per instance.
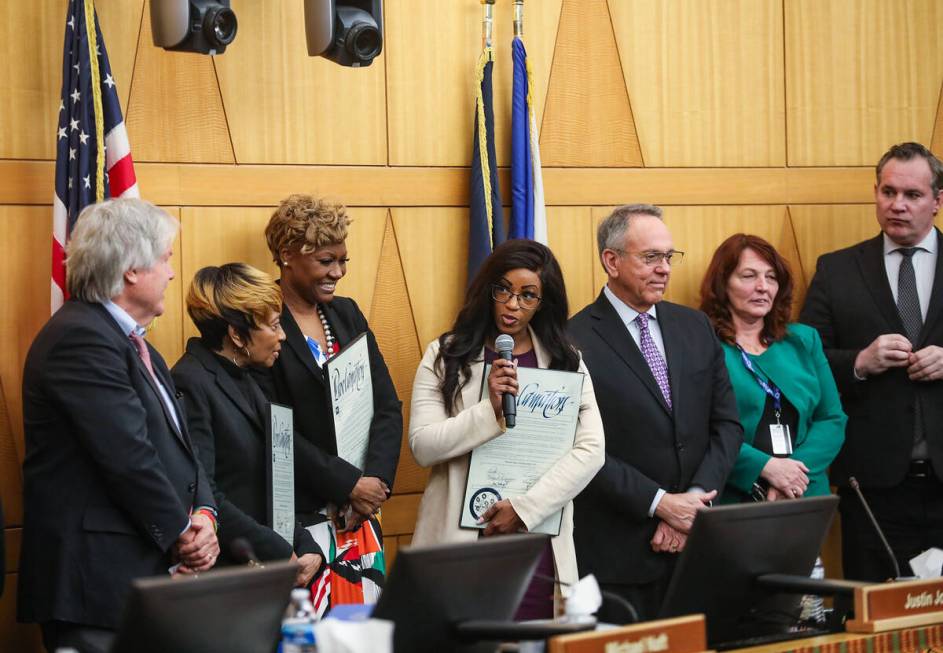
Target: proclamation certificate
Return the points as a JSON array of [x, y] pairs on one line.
[[351, 390], [548, 410], [280, 471]]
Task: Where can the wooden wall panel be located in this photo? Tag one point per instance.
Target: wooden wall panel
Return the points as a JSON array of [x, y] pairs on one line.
[[698, 230], [25, 269], [217, 235], [588, 119], [176, 93], [599, 213], [936, 145], [705, 78], [11, 475], [399, 514], [21, 638], [433, 246], [13, 545], [166, 332], [823, 229], [120, 22], [861, 75], [30, 182], [286, 107], [570, 236], [32, 78], [392, 322], [432, 49]]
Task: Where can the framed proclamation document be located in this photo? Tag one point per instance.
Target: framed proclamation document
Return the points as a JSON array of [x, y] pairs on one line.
[[280, 471], [350, 387], [548, 410]]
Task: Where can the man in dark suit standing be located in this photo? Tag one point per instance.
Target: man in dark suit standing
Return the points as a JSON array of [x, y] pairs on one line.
[[878, 306], [669, 412], [112, 487]]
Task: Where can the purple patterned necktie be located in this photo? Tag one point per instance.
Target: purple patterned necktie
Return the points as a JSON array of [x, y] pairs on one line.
[[656, 362]]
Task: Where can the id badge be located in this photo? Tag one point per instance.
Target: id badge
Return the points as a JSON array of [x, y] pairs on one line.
[[779, 436]]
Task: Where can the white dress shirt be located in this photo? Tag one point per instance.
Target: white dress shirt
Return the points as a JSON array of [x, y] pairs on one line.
[[129, 326], [924, 260], [628, 314]]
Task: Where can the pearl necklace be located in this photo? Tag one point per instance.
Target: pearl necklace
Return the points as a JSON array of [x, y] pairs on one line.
[[332, 347]]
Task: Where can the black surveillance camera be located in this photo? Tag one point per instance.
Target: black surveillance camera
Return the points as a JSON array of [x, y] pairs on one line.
[[205, 26], [348, 32]]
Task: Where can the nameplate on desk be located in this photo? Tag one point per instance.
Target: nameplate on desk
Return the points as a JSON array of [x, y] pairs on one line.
[[679, 635], [890, 606]]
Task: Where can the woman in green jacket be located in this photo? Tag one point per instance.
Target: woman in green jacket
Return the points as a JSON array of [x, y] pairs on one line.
[[793, 423]]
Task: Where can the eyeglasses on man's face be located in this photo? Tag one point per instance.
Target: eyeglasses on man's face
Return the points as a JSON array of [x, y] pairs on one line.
[[525, 299], [654, 257]]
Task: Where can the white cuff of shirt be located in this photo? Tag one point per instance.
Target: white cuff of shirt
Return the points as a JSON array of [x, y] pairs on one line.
[[658, 495]]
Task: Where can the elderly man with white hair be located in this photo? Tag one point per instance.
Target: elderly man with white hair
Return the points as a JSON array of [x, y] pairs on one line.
[[113, 489]]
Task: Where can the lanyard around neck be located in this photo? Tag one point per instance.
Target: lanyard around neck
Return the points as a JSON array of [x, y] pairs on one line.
[[768, 386]]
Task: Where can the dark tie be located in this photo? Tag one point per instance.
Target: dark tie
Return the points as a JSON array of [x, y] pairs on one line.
[[656, 362], [908, 303]]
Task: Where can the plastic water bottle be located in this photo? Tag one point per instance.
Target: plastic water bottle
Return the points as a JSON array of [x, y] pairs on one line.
[[298, 624], [813, 607]]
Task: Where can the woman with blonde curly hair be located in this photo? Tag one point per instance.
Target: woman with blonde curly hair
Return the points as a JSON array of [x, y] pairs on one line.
[[307, 238]]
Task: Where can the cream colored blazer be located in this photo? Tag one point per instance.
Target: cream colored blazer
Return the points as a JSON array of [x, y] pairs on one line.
[[444, 443]]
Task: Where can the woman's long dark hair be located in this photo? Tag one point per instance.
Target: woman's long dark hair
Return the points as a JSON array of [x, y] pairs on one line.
[[461, 345]]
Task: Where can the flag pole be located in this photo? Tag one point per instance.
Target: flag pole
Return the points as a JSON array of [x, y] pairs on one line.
[[487, 24], [519, 19]]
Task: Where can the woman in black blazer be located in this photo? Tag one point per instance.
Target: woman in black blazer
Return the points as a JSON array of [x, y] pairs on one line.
[[236, 309], [306, 237]]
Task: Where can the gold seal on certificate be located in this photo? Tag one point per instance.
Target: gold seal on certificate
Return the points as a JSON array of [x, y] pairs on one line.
[[548, 411], [350, 388], [280, 471]]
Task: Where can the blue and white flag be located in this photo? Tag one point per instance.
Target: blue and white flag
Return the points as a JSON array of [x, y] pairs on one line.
[[528, 214]]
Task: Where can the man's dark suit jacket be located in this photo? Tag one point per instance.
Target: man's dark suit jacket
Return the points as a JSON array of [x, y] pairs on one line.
[[109, 480], [850, 303], [649, 446], [229, 433], [297, 381]]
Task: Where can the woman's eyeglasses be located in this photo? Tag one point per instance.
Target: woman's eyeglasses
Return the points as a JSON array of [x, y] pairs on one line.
[[527, 299]]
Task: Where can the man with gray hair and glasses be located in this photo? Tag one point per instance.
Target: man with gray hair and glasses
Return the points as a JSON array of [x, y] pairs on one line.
[[113, 489], [668, 409]]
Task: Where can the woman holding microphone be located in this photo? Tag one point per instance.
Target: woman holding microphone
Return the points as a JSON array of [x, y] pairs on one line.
[[518, 292]]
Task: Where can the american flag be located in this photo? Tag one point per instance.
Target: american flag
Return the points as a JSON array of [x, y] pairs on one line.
[[88, 168]]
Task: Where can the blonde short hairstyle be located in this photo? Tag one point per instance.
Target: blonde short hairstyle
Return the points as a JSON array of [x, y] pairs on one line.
[[233, 295], [306, 223]]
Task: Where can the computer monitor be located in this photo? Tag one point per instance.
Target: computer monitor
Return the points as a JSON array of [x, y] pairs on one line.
[[729, 547], [431, 590], [237, 610]]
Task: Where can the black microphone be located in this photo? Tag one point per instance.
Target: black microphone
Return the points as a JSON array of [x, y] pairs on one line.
[[504, 345], [243, 553], [853, 482]]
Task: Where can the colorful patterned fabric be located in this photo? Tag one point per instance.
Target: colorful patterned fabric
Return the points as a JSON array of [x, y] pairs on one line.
[[355, 566]]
